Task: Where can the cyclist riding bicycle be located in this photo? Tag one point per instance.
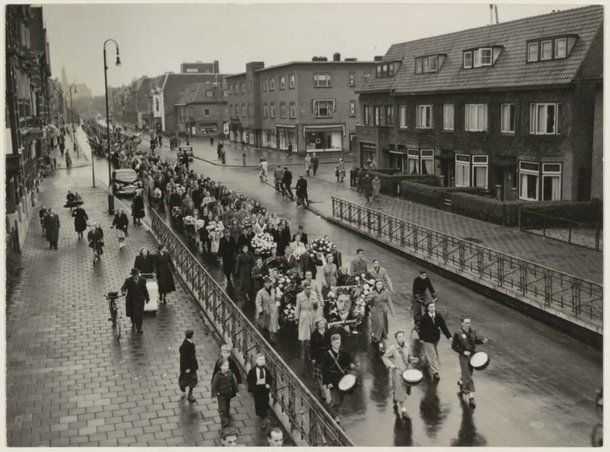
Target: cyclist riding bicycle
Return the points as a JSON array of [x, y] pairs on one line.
[[96, 240], [421, 285]]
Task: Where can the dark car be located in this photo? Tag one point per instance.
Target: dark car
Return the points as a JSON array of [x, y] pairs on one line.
[[126, 182], [188, 150]]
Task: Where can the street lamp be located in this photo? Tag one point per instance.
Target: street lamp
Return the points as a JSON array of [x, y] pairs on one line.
[[118, 63], [72, 120]]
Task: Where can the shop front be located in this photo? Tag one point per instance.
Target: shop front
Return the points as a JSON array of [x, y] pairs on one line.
[[368, 152], [286, 136], [324, 139]]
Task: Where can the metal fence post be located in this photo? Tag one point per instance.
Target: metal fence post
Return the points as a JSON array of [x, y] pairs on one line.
[[390, 229], [379, 225], [341, 210]]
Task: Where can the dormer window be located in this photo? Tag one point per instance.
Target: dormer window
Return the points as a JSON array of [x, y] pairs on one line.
[[481, 57], [430, 63], [548, 49], [383, 70]]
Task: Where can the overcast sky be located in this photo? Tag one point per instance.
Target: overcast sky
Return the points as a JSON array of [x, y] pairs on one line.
[[156, 38]]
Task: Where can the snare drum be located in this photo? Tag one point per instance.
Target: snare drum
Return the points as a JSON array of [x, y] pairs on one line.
[[412, 376], [479, 360], [348, 383]]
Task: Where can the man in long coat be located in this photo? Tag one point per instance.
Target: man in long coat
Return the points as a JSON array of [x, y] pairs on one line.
[[137, 296], [51, 226], [227, 249]]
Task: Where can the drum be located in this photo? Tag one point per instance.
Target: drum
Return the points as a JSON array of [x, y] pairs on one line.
[[348, 383], [479, 361], [412, 376]]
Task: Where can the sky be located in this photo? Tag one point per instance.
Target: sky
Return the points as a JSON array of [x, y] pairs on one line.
[[156, 38]]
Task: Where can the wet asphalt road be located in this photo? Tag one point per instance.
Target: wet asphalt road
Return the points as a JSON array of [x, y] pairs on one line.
[[538, 390]]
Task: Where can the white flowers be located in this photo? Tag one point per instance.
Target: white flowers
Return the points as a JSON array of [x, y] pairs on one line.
[[199, 224], [263, 243], [322, 245], [188, 220]]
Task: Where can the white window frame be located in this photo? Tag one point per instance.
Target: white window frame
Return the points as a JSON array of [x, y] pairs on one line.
[[480, 161], [352, 108], [537, 123], [329, 104], [426, 155], [556, 54], [462, 160], [291, 81], [388, 115], [482, 52], [323, 80], [467, 59], [402, 117], [548, 43], [413, 158], [477, 57], [529, 172], [265, 84], [480, 111], [419, 63], [265, 111], [292, 110], [272, 84], [504, 127], [351, 79], [272, 111], [377, 115], [550, 173], [366, 115], [282, 82], [448, 117], [244, 112], [424, 118], [531, 47]]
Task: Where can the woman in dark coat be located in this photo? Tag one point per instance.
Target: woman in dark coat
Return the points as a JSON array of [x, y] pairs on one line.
[[80, 221], [145, 262], [283, 232], [121, 223], [318, 345], [137, 208], [165, 279], [243, 271], [51, 227]]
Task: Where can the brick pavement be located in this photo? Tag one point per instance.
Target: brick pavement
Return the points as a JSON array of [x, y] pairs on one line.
[[68, 382]]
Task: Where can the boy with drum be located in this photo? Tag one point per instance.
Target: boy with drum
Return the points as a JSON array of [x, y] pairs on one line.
[[397, 359], [464, 343], [335, 362]]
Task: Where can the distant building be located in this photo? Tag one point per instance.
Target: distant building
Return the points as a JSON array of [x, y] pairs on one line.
[[81, 91], [511, 104], [311, 105], [199, 68], [201, 109]]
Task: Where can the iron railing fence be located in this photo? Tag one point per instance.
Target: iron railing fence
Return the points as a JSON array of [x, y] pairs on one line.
[[576, 298], [306, 416], [588, 235]]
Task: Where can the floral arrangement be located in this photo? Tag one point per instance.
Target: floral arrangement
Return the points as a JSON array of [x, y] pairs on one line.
[[297, 249], [199, 224], [287, 286], [322, 245], [263, 244], [214, 226], [188, 220]]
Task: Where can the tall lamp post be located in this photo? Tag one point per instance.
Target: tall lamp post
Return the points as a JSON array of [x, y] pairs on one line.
[[72, 120], [118, 63]]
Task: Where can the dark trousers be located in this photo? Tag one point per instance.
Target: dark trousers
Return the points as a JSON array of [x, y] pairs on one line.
[[224, 409], [288, 190], [315, 169], [261, 402], [53, 244], [136, 317]]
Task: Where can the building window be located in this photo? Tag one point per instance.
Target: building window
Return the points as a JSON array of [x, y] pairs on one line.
[[243, 87], [272, 111], [352, 108], [424, 117], [251, 110], [293, 110], [544, 119], [479, 171], [402, 116], [377, 115], [265, 111], [352, 79], [209, 93], [530, 175], [323, 108], [462, 170], [265, 85], [389, 115], [468, 59], [561, 48], [366, 113], [271, 84], [475, 117], [482, 57], [206, 112], [282, 82], [546, 50], [291, 81], [507, 118], [322, 80], [243, 110], [230, 89], [551, 181], [420, 161], [447, 116], [529, 172], [282, 110], [383, 70], [237, 88], [426, 64], [532, 51]]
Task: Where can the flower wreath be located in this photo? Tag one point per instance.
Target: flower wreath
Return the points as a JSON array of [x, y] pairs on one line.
[[357, 310]]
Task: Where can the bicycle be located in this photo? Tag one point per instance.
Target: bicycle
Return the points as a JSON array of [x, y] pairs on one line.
[[115, 313]]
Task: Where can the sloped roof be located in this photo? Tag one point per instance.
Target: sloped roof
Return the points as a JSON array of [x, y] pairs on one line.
[[510, 69], [196, 93]]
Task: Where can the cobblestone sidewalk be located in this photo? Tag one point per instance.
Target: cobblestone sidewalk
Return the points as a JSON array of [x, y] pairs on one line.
[[68, 382]]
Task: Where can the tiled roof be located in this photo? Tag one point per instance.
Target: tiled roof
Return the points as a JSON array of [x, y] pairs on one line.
[[510, 69], [195, 93]]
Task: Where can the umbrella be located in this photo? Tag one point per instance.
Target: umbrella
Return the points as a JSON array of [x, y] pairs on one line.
[[73, 204]]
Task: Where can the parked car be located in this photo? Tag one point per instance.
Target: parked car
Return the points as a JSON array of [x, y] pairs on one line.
[[125, 183], [188, 150]]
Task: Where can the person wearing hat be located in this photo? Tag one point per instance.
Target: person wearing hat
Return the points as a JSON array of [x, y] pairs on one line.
[[318, 345], [188, 365], [137, 296], [165, 279]]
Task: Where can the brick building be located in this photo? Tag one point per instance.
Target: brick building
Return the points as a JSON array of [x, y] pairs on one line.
[[311, 105], [202, 108], [510, 104]]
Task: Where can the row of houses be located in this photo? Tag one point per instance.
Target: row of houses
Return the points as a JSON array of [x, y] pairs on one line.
[[516, 105]]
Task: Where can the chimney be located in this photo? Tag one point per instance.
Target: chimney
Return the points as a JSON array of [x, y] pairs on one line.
[[216, 68], [336, 56], [319, 58], [351, 59], [378, 58]]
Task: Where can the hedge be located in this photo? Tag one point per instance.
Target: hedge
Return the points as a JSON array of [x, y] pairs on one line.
[[587, 212], [486, 209], [432, 195]]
